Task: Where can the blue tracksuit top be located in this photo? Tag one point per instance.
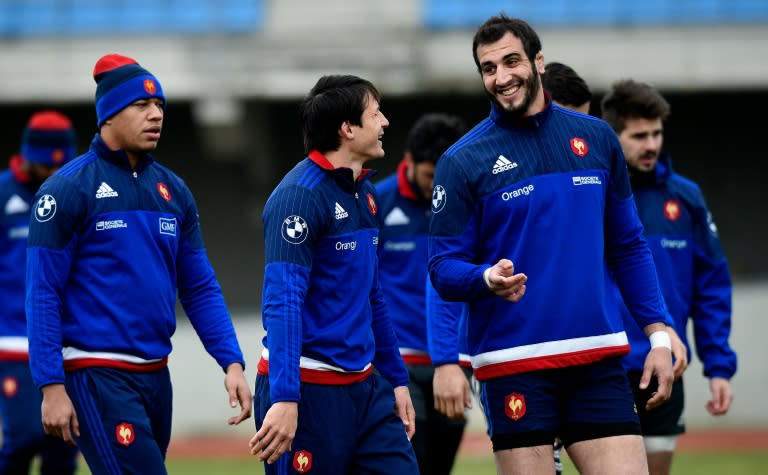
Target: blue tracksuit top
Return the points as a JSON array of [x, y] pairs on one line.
[[322, 304], [16, 196], [403, 258], [109, 247], [692, 268], [551, 193]]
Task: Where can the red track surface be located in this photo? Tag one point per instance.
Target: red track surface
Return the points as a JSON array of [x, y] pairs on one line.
[[478, 444]]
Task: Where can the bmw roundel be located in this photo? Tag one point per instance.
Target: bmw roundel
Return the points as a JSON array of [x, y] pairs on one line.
[[46, 208], [438, 199], [294, 229]]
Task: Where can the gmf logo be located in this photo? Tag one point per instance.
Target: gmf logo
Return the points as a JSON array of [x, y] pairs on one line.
[[514, 406], [302, 461], [579, 146], [672, 210], [124, 433]]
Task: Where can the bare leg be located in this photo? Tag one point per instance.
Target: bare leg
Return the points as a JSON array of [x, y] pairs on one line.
[[660, 463], [525, 460], [623, 454]]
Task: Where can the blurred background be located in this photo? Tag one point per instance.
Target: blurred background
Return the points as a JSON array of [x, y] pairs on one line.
[[234, 72]]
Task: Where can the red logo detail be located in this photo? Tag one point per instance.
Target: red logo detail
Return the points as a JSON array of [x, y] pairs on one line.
[[579, 146], [302, 461], [672, 210], [57, 156], [125, 434], [163, 190], [514, 406], [149, 86], [372, 207], [10, 386]]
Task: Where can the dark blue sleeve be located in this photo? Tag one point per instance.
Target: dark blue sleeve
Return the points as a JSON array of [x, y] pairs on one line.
[[387, 358], [57, 211], [712, 292], [443, 327]]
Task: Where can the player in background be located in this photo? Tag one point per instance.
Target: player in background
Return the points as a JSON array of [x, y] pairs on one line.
[[320, 407], [691, 265], [114, 238], [47, 143], [533, 225], [405, 207], [566, 87]]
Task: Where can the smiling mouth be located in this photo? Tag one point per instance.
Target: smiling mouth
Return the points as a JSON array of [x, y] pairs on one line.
[[510, 91]]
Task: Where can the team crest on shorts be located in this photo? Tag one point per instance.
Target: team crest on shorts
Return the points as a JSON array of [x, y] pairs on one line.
[[514, 406], [10, 386], [302, 461], [125, 433]]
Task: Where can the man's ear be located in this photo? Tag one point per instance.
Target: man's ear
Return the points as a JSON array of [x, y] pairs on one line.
[[540, 62], [345, 131]]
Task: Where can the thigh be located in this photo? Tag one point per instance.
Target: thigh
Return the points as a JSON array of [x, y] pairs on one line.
[[598, 403], [664, 420], [623, 454], [116, 433]]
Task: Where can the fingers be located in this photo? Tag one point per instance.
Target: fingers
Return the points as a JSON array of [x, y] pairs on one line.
[[246, 403], [679, 368], [268, 447]]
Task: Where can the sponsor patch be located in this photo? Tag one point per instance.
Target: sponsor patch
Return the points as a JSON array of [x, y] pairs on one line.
[[438, 198], [168, 226], [110, 224], [586, 180], [294, 229], [46, 208]]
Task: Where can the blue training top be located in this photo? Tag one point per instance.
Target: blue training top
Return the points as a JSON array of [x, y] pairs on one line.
[[109, 247], [551, 193]]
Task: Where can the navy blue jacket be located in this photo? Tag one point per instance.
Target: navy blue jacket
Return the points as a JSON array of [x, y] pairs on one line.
[[322, 304], [692, 268], [109, 248], [551, 193]]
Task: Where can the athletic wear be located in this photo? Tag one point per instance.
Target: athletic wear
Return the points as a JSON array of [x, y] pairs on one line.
[[551, 193], [692, 268], [665, 419]]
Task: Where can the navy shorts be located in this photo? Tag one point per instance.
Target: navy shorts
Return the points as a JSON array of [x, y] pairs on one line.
[[343, 429], [666, 419], [125, 419], [575, 403]]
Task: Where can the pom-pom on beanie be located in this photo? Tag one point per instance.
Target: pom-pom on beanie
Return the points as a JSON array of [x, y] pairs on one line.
[[48, 139], [120, 81]]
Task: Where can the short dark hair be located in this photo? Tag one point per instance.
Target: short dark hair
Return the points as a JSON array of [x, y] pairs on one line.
[[333, 100], [630, 99], [431, 135], [497, 26], [565, 85]]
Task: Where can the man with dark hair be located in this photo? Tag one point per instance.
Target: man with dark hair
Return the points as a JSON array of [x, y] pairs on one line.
[[548, 190], [48, 142], [114, 240], [566, 87], [404, 201], [692, 268], [319, 404]]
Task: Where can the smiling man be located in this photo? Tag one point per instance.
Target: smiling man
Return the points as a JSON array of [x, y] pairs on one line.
[[533, 225]]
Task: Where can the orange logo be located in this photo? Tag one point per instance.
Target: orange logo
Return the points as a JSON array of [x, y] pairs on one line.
[[57, 156], [163, 190], [372, 205], [124, 433], [10, 386], [302, 461], [579, 146], [149, 86], [672, 210], [514, 406]]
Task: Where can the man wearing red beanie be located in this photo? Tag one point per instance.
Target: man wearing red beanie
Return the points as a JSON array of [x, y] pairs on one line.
[[48, 142], [114, 238]]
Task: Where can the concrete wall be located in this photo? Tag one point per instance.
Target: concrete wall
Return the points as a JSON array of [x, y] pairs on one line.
[[201, 403]]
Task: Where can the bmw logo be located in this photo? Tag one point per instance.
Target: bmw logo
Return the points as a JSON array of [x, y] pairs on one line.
[[46, 208], [438, 199], [294, 229]]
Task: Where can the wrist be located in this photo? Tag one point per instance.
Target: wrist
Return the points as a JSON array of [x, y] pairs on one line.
[[660, 339], [487, 277]]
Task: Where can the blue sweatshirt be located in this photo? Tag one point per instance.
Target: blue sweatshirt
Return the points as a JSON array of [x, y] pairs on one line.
[[109, 248], [16, 196], [322, 304], [403, 270], [692, 268], [551, 193]]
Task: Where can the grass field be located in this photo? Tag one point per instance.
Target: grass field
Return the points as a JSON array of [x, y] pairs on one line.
[[685, 463]]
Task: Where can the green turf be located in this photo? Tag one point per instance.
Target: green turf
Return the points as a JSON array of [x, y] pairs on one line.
[[687, 463]]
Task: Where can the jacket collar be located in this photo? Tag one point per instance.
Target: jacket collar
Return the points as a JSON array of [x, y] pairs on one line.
[[119, 157], [503, 118], [342, 175]]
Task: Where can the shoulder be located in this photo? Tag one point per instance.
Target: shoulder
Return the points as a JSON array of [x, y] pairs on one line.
[[687, 189], [386, 185]]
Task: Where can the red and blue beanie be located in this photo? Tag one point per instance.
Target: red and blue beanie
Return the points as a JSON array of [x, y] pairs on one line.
[[48, 139], [120, 81]]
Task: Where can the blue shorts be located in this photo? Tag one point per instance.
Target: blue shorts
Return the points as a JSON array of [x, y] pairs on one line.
[[575, 403], [343, 429], [125, 419]]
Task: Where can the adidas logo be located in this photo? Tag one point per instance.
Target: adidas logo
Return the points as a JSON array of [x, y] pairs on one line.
[[503, 164], [341, 213], [16, 205], [105, 191], [396, 217]]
